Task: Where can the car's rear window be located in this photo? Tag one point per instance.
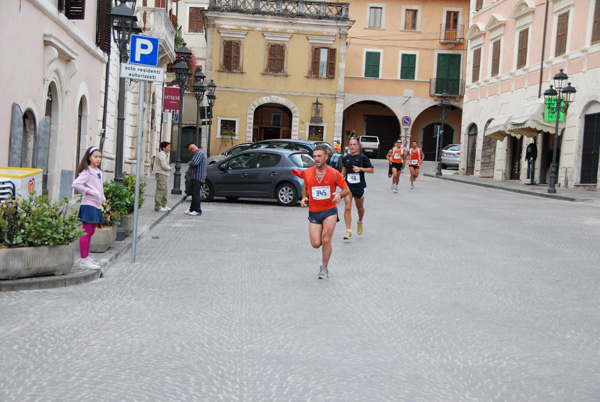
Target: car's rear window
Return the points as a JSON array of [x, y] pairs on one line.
[[368, 139], [454, 148], [302, 160]]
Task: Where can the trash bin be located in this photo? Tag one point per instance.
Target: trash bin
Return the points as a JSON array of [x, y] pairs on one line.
[[26, 180]]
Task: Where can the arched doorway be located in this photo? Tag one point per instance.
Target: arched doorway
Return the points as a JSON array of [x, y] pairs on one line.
[[471, 149], [488, 154], [429, 140], [82, 122], [372, 118], [29, 129], [272, 121]]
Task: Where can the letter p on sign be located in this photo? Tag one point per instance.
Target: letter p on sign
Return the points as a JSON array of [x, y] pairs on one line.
[[144, 50]]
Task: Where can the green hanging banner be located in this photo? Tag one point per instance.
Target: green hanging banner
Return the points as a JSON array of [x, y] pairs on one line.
[[550, 110]]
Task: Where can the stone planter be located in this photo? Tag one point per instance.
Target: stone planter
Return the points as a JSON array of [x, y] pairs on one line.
[[102, 239], [36, 261], [127, 224]]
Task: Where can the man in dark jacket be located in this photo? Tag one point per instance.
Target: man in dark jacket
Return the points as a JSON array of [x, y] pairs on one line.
[[197, 172]]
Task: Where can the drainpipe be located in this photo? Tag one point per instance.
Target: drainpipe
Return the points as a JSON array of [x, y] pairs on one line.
[[106, 79], [543, 51]]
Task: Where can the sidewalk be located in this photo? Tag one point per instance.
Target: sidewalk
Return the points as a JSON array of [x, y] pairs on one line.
[[563, 194], [147, 219]]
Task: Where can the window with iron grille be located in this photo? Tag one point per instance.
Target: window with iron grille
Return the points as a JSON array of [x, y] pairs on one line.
[[495, 58], [522, 51], [375, 17], [323, 62], [596, 23], [561, 34], [195, 21], [476, 65], [276, 58], [231, 56], [410, 20]]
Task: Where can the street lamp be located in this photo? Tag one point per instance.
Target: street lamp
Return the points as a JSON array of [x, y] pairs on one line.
[[199, 90], [182, 75], [123, 24], [212, 87], [443, 104], [556, 93]]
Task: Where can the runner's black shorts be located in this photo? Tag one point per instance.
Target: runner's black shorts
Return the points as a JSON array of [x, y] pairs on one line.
[[357, 191], [397, 165], [319, 217]]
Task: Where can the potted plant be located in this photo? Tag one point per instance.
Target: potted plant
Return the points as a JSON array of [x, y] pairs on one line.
[[129, 184], [37, 237], [113, 210]]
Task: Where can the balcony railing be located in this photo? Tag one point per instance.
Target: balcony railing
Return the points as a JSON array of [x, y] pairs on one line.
[[294, 8], [454, 87], [449, 34], [156, 23]]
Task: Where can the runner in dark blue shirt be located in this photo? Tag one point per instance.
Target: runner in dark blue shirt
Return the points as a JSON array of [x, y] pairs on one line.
[[354, 167]]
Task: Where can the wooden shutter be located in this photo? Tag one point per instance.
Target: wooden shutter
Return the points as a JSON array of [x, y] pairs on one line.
[[478, 5], [495, 58], [103, 26], [196, 23], [476, 65], [75, 9], [410, 20], [409, 62], [276, 59], [561, 34], [372, 64], [596, 24], [316, 59], [448, 74], [331, 63], [231, 55], [451, 31], [522, 54]]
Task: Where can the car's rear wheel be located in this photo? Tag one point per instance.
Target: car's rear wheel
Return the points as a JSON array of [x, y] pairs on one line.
[[206, 192], [286, 195]]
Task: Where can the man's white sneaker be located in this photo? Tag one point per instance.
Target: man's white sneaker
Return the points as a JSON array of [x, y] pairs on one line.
[[163, 209], [167, 208], [193, 213], [87, 264], [323, 272]]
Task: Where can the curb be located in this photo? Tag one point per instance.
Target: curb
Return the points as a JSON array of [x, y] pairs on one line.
[[77, 276], [513, 190]]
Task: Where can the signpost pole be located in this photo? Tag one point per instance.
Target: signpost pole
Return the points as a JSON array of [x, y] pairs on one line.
[[138, 170]]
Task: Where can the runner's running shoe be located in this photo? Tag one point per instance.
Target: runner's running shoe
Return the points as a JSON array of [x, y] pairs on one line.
[[359, 230], [348, 235], [323, 272]]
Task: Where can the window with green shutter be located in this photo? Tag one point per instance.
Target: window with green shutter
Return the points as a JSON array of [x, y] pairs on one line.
[[408, 66], [372, 64]]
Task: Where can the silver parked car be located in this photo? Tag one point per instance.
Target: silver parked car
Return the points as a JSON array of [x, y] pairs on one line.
[[451, 155], [257, 173], [231, 151]]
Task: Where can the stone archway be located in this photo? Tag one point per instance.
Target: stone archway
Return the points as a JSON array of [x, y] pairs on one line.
[[275, 100]]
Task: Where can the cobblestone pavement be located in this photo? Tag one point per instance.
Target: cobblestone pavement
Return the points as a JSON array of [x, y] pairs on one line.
[[453, 293]]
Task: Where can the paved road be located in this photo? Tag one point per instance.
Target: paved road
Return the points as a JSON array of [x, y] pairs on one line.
[[454, 293]]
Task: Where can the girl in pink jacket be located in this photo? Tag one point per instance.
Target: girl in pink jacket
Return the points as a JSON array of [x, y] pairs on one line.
[[89, 184]]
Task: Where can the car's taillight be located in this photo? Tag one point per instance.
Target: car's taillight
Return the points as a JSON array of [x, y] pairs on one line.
[[458, 153]]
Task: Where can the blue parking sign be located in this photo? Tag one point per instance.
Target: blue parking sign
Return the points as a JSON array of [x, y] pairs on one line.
[[143, 50]]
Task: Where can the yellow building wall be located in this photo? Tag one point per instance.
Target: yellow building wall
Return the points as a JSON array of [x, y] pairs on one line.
[[393, 41]]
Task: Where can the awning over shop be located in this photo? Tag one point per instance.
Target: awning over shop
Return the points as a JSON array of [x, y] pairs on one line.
[[498, 128], [529, 120]]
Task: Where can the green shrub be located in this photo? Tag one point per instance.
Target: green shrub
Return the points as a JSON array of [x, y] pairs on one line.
[[129, 184], [36, 222]]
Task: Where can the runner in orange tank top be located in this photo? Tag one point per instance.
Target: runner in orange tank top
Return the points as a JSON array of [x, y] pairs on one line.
[[318, 192], [415, 158]]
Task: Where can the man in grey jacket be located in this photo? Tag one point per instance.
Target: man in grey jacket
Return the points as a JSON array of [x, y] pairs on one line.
[[197, 172], [162, 169]]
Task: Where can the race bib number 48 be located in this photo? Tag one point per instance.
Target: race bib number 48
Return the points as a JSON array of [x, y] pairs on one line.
[[353, 178], [321, 193]]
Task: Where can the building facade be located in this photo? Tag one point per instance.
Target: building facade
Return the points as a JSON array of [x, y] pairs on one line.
[[514, 50], [62, 97], [279, 67], [401, 56]]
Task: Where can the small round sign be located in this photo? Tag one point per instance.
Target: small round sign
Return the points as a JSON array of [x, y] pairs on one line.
[[406, 121]]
